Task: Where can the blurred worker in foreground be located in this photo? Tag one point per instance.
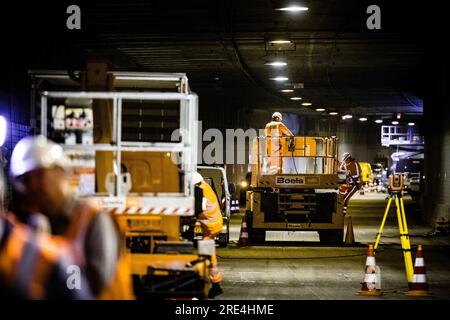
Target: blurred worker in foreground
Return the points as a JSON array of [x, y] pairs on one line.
[[353, 179], [211, 222], [22, 249], [275, 129], [40, 178]]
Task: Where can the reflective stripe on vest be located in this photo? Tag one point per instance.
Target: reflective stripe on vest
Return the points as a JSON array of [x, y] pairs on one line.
[[11, 254], [273, 129], [210, 205], [27, 260]]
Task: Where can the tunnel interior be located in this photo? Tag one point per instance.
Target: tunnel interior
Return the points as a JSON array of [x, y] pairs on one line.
[[334, 62]]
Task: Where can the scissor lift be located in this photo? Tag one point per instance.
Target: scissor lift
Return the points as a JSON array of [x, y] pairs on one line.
[[299, 196]]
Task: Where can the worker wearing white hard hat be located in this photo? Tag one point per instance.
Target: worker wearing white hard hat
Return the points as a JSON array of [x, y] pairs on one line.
[[275, 131], [211, 222], [42, 184], [34, 265], [277, 115], [353, 183], [38, 176]]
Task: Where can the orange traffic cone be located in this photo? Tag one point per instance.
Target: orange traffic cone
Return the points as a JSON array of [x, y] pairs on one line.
[[372, 280], [419, 285], [243, 236], [349, 235]]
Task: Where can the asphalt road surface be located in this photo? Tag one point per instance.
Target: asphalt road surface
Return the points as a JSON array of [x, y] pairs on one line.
[[293, 265]]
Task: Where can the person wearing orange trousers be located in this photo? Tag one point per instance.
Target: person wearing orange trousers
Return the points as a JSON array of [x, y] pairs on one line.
[[211, 222], [275, 130]]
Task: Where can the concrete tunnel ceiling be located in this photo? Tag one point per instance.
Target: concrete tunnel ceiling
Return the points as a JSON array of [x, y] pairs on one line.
[[221, 45]]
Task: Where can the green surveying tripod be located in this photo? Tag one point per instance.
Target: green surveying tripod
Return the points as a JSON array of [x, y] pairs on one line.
[[396, 194]]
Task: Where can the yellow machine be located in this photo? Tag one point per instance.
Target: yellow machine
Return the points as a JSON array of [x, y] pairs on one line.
[[366, 172], [301, 195], [127, 160]]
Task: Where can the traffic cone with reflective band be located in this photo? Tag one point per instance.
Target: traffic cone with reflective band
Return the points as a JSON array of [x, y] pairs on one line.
[[419, 285], [349, 235], [243, 236], [372, 279]]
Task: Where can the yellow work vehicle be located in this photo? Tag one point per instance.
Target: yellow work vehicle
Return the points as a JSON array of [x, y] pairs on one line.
[[366, 172], [129, 157], [216, 177], [301, 195]]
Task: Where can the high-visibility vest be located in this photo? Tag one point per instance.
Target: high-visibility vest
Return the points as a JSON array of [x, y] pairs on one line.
[[277, 129], [120, 285], [211, 217], [274, 131], [353, 170], [34, 265]]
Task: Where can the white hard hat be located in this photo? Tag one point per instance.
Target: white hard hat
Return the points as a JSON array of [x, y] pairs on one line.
[[36, 152], [345, 156], [196, 177], [277, 114]]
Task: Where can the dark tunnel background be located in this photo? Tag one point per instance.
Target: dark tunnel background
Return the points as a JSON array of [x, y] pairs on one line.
[[34, 37]]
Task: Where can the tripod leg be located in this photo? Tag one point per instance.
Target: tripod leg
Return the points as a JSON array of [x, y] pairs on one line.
[[402, 208], [386, 212], [404, 240], [407, 250]]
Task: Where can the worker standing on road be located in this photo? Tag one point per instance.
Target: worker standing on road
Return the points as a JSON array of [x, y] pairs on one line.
[[22, 249], [211, 222], [40, 177], [275, 129], [353, 179]]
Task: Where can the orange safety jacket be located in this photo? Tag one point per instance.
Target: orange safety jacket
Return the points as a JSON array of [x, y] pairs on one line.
[[33, 265], [275, 130], [120, 285], [211, 217], [353, 171]]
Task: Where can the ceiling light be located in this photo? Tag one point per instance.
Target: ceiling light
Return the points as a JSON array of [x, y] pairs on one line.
[[411, 124], [362, 119], [399, 116], [378, 121], [280, 41], [293, 9], [306, 104], [296, 98], [287, 90], [276, 64], [394, 122], [320, 109], [279, 79], [347, 116], [333, 113]]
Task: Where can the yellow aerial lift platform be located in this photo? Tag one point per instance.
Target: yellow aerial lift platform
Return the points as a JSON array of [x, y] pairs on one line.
[[123, 145], [301, 194]]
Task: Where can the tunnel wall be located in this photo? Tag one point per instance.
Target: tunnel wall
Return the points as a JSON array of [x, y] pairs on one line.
[[436, 196]]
